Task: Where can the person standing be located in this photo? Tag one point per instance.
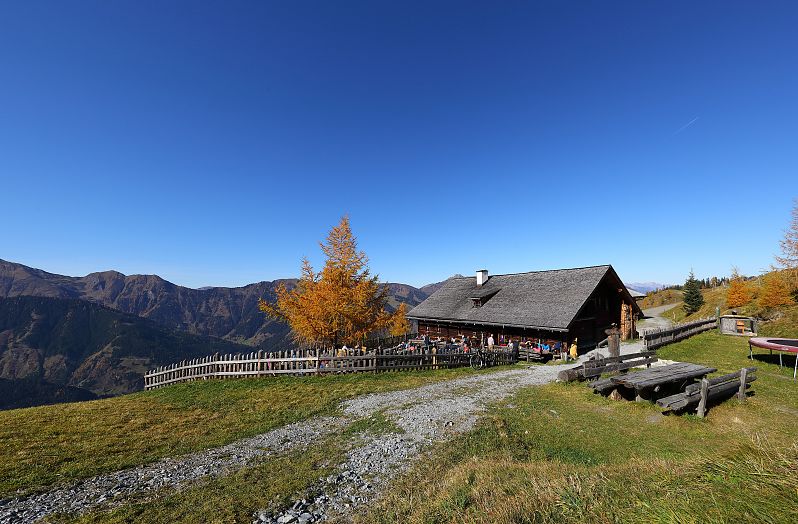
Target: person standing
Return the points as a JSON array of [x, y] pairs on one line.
[[491, 342], [574, 352]]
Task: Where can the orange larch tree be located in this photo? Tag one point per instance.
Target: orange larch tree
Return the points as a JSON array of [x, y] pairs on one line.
[[341, 304], [775, 291], [738, 293], [399, 323]]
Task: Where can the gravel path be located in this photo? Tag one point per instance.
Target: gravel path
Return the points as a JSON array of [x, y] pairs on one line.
[[427, 414], [435, 412], [653, 318]]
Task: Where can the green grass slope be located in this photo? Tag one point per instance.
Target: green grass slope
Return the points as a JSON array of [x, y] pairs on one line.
[[661, 298], [553, 453], [560, 454], [781, 322], [46, 445]]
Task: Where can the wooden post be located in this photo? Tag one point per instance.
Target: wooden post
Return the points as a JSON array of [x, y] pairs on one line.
[[702, 404], [743, 376]]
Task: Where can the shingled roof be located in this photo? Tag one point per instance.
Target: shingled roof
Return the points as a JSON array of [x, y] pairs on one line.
[[635, 293], [538, 299]]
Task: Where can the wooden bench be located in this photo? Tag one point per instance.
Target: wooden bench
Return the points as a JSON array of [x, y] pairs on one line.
[[603, 386], [709, 389], [648, 383], [596, 367]]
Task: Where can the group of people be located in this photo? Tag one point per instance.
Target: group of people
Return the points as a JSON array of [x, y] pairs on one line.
[[510, 344]]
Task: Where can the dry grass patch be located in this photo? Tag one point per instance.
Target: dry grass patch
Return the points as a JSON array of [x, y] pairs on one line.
[[559, 453]]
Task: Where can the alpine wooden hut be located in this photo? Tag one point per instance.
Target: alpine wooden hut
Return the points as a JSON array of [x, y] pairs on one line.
[[547, 306]]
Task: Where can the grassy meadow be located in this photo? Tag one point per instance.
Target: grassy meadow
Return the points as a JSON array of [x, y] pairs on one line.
[[781, 322], [661, 298], [553, 453], [559, 453], [48, 445]]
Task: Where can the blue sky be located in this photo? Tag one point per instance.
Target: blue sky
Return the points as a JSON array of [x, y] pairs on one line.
[[216, 143]]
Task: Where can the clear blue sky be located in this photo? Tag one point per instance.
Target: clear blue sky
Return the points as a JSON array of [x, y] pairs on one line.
[[216, 143]]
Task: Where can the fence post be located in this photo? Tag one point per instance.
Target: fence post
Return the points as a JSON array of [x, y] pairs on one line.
[[702, 404], [743, 376]]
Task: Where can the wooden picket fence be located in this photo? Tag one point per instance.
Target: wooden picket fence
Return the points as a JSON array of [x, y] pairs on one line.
[[303, 362], [658, 337]]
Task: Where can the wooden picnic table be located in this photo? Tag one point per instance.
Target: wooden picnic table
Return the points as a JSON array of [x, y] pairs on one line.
[[653, 379]]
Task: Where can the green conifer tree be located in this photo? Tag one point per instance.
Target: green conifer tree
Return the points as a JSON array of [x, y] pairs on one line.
[[693, 299]]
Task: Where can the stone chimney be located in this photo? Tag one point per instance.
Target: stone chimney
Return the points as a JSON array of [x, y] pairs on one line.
[[482, 276]]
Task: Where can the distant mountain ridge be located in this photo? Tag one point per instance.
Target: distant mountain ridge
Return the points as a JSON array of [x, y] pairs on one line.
[[229, 313], [645, 287]]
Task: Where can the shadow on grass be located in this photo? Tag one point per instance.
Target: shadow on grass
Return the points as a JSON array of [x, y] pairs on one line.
[[787, 360]]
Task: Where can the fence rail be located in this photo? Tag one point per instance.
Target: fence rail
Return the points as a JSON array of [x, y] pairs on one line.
[[316, 362], [658, 337]]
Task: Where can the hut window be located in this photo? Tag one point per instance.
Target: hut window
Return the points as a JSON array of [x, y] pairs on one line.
[[479, 299]]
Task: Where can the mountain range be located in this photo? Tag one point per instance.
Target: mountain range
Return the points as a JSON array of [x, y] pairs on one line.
[[44, 350], [645, 287]]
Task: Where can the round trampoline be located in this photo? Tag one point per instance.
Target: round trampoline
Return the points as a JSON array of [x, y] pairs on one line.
[[782, 345]]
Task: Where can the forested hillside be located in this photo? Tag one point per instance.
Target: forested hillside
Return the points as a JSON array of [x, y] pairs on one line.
[[56, 350]]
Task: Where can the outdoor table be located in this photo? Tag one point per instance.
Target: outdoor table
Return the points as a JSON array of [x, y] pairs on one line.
[[652, 379]]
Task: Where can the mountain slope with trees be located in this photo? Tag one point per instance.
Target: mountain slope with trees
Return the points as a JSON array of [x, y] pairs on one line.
[[58, 350]]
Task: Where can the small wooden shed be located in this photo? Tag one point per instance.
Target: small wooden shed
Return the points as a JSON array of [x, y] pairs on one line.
[[738, 325]]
